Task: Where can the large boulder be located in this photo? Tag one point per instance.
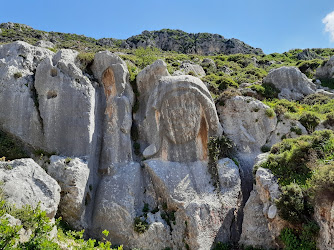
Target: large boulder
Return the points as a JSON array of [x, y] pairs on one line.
[[60, 84], [291, 82], [26, 183], [248, 122], [326, 71], [188, 68], [72, 176], [18, 100]]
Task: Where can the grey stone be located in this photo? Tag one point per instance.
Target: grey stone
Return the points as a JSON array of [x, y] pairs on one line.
[[112, 73], [187, 68], [26, 183], [60, 84], [186, 190], [44, 44], [326, 71], [179, 118], [20, 115], [292, 83], [244, 120], [72, 176]]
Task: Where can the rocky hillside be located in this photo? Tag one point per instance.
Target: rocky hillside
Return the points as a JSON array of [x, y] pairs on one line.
[[166, 40], [161, 150], [187, 43]]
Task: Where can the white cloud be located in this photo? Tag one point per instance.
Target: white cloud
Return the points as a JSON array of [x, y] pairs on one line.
[[329, 25]]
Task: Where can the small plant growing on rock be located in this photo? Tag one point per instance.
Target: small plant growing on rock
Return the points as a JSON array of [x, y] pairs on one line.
[[140, 225], [17, 75], [68, 160], [270, 113]]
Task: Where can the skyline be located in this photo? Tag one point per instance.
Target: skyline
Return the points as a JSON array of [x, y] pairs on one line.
[[273, 27]]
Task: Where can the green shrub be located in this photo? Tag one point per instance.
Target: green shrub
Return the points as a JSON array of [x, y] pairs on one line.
[[309, 121], [17, 75], [292, 205], [146, 56], [300, 239], [314, 99], [270, 113], [322, 181], [86, 60], [290, 160], [265, 149], [266, 90], [297, 130], [329, 119], [140, 225]]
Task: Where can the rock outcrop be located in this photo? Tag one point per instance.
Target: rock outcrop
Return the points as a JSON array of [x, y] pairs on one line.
[[324, 216], [291, 82], [26, 183], [188, 68], [326, 71], [175, 118], [262, 224], [72, 175], [21, 116], [182, 42], [61, 84]]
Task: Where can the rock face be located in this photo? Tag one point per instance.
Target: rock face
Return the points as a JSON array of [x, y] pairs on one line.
[[72, 176], [21, 116], [112, 73], [323, 212], [26, 183], [292, 83], [175, 118], [326, 71], [247, 122], [61, 84], [262, 225], [182, 42]]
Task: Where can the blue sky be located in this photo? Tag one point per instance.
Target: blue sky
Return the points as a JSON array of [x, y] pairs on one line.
[[273, 25]]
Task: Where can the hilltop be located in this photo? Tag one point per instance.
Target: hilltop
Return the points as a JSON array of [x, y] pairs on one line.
[[165, 39]]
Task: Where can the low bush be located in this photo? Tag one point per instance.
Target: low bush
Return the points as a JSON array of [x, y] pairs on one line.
[[309, 121], [314, 99]]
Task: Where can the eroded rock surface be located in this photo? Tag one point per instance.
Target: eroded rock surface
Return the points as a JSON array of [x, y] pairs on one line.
[[26, 183], [291, 82], [72, 176], [18, 100], [262, 225]]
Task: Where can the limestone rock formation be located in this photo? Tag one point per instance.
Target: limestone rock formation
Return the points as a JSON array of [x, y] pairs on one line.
[[21, 116], [326, 71], [61, 84], [26, 183], [188, 68], [112, 73], [72, 176], [324, 216], [292, 83], [200, 212], [182, 42], [286, 128], [262, 224]]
